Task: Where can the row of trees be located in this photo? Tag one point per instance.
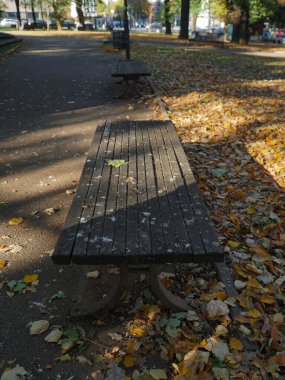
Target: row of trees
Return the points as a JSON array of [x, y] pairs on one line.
[[240, 13]]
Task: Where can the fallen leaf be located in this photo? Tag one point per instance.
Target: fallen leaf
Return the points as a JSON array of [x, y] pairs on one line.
[[54, 336], [38, 327], [254, 313], [217, 308], [278, 360], [83, 360], [116, 163], [115, 336], [15, 373], [264, 298], [59, 294], [236, 344], [15, 221], [158, 374], [129, 361], [2, 264], [94, 274], [137, 331], [28, 279]]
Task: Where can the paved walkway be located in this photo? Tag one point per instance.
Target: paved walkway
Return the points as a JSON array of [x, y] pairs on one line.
[[53, 95]]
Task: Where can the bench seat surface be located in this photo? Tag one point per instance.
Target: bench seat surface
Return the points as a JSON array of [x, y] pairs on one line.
[[148, 210], [129, 69]]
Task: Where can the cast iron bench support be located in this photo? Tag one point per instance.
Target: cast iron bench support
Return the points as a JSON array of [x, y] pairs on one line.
[[130, 71], [148, 211]]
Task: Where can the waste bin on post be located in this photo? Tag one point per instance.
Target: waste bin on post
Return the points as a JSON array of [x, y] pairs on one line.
[[119, 41]]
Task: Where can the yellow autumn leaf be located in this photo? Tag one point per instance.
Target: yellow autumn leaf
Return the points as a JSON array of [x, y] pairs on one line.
[[29, 278], [129, 361], [233, 244], [240, 272], [253, 283], [137, 331], [15, 221], [254, 313], [236, 344], [2, 264], [253, 269], [267, 299]]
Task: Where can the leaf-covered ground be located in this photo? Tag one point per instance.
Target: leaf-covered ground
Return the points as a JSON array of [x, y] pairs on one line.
[[229, 113]]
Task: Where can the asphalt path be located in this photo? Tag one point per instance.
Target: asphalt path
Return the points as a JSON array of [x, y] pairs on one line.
[[54, 94]]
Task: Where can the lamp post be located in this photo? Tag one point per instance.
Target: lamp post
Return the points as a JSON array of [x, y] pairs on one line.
[[126, 30]]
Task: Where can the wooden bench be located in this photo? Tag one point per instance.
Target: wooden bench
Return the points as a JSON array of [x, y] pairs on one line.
[[130, 71], [212, 39], [147, 211]]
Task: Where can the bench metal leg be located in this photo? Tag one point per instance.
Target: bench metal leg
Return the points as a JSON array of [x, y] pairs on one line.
[[170, 300], [130, 88], [87, 305]]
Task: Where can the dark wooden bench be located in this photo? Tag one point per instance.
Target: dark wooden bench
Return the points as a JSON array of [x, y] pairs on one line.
[[212, 39], [130, 71], [146, 211]]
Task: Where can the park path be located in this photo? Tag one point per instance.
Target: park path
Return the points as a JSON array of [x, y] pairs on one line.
[[53, 95]]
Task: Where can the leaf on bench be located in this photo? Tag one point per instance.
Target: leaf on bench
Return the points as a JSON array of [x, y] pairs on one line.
[[117, 163]]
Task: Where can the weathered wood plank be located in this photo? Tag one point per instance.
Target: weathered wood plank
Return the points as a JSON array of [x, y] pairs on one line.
[[165, 210], [155, 218], [182, 241], [143, 206], [194, 238], [110, 216], [132, 241], [119, 246], [96, 236], [205, 226], [92, 203], [64, 247]]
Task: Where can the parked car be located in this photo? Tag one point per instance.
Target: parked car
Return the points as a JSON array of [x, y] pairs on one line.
[[9, 23], [41, 24], [88, 26], [27, 24], [68, 25]]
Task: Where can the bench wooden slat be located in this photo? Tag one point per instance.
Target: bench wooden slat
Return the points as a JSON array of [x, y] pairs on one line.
[[92, 202], [182, 240], [165, 210], [111, 211], [187, 208], [119, 245], [63, 250], [100, 212], [132, 243], [143, 206], [155, 218], [203, 221]]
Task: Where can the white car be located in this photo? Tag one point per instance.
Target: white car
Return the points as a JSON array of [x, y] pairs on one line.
[[9, 23]]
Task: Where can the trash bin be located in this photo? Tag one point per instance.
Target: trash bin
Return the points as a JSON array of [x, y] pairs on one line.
[[119, 41]]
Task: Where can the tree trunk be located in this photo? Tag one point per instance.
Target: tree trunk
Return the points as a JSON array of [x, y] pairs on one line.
[[185, 7], [57, 16], [17, 2], [244, 29], [167, 17], [194, 22], [235, 37], [78, 4], [33, 11]]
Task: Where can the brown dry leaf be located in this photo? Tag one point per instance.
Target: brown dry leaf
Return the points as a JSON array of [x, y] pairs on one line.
[[278, 360], [129, 361], [2, 264], [254, 313]]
